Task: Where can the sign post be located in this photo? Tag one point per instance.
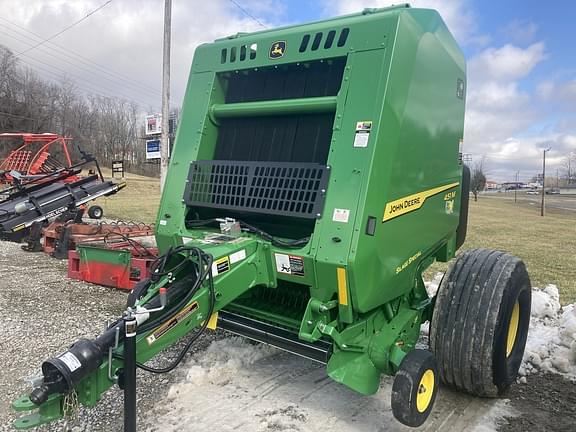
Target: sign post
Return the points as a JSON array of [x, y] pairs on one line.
[[118, 168]]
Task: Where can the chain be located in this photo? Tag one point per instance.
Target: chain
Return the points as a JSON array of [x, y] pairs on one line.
[[70, 408]]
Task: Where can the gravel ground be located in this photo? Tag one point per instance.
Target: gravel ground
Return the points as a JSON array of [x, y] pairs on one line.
[[43, 312], [546, 403]]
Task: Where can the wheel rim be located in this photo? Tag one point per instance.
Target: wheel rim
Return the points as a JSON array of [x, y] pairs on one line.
[[425, 391], [513, 329]]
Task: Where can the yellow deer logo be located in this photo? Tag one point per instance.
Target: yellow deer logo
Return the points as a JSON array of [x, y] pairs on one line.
[[277, 49]]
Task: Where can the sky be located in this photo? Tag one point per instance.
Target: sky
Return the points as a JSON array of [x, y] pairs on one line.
[[520, 58]]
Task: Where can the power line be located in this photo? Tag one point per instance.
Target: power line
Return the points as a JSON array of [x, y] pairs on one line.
[[248, 14], [79, 58], [81, 68], [65, 29], [86, 87], [91, 86]]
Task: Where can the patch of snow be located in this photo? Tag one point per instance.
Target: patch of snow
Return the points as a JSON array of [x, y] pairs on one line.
[[432, 286], [551, 344], [222, 360], [493, 418]]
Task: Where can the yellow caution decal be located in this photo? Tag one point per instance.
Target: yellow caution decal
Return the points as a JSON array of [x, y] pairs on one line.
[[412, 202], [171, 323], [342, 287]]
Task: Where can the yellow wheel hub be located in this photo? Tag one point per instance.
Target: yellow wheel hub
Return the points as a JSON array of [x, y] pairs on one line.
[[425, 391], [513, 329]]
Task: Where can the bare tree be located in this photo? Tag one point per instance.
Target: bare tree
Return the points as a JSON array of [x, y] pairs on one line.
[[570, 167], [477, 179]]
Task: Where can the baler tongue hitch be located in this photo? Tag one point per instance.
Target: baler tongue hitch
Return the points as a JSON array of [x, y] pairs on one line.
[[315, 177]]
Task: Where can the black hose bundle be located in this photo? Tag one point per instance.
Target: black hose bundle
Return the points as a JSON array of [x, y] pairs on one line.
[[186, 289], [255, 230]]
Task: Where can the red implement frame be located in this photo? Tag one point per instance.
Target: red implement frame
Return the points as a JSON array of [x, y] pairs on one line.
[[29, 162], [113, 275], [83, 233]]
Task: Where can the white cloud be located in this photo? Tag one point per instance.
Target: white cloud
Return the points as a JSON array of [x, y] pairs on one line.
[[562, 92], [506, 63], [125, 37], [524, 154], [457, 14]]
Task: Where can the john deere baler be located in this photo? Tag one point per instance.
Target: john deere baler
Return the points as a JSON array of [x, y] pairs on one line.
[[316, 174]]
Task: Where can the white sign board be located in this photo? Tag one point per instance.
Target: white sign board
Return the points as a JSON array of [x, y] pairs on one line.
[[153, 149], [153, 124]]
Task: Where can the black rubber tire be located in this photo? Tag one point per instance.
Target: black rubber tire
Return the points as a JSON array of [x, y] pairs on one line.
[[472, 314], [407, 385], [95, 212]]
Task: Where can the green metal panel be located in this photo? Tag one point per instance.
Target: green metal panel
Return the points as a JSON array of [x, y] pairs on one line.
[[403, 73], [392, 201]]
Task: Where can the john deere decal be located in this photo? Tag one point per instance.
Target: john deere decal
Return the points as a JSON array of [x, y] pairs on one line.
[[277, 49]]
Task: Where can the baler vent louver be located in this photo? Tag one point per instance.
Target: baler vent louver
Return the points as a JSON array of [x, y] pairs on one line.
[[278, 188], [245, 52], [328, 42]]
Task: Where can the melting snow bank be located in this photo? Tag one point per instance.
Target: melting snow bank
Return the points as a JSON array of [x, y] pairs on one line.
[[551, 345], [220, 362]]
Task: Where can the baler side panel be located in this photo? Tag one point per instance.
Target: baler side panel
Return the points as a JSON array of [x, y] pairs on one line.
[[349, 176], [422, 118], [195, 139]]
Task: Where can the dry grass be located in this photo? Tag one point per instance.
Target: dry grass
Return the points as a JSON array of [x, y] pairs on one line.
[[546, 244], [138, 201]]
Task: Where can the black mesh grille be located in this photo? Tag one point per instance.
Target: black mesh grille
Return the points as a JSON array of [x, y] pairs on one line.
[[279, 188]]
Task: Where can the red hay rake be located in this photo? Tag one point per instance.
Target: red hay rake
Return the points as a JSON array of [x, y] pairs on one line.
[[33, 157]]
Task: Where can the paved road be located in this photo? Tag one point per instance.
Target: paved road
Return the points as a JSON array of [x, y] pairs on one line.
[[560, 202]]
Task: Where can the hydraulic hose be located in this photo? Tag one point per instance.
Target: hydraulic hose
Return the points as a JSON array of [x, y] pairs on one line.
[[158, 269], [255, 230]]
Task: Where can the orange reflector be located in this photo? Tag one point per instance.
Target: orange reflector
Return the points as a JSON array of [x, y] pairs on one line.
[[342, 287]]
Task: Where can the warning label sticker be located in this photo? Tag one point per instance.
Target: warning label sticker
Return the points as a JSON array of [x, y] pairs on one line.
[[220, 266], [362, 134], [238, 256], [71, 361], [289, 264], [164, 328], [341, 215]]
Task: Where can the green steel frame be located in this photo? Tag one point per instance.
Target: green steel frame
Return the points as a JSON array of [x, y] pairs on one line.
[[391, 208]]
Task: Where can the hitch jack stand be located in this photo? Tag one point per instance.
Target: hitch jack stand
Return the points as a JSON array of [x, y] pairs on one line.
[[130, 326]]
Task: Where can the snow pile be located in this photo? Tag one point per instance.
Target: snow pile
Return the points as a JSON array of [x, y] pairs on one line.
[[551, 345], [209, 382], [432, 286], [221, 361]]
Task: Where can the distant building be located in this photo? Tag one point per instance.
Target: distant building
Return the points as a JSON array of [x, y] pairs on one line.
[[491, 185], [513, 185]]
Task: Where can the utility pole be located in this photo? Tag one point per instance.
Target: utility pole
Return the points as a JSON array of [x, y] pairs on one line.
[[516, 188], [543, 180], [569, 172], [165, 144]]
